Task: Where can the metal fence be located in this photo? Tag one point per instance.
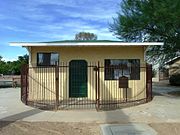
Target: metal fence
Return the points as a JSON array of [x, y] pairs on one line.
[[83, 86]]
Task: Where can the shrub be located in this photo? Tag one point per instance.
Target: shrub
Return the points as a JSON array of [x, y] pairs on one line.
[[175, 79]]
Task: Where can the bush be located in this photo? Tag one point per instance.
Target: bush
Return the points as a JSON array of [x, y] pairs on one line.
[[175, 80]]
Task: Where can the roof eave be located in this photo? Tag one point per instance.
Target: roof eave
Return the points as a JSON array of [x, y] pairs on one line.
[[87, 44]]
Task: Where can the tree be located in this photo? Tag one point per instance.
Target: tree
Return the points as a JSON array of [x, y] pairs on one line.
[[13, 67], [2, 66], [17, 64], [150, 20], [1, 58], [85, 36], [23, 59]]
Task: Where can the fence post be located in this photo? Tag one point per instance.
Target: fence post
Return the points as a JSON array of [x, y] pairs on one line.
[[22, 73], [98, 86], [26, 73], [24, 84], [148, 82], [150, 72], [57, 86]]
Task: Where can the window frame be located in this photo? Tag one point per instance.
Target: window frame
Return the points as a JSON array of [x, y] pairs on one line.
[[50, 65], [113, 78]]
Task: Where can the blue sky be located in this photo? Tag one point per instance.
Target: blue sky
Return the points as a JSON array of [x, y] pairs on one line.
[[48, 20]]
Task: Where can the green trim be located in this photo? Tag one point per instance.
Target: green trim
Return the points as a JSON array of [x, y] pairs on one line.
[[81, 41]]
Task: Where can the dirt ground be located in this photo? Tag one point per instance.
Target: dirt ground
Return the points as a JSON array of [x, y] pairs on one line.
[[54, 128], [166, 128], [48, 128]]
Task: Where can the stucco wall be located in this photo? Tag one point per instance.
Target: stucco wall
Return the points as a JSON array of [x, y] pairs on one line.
[[91, 53], [109, 89]]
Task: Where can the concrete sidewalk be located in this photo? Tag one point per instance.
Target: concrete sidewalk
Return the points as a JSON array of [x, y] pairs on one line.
[[161, 109]]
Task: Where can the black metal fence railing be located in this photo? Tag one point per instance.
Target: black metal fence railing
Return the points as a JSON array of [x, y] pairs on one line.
[[82, 85]]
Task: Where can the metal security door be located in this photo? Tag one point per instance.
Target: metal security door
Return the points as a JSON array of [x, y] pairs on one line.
[[78, 78]]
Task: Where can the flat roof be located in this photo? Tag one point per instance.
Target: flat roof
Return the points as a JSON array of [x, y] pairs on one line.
[[84, 43]]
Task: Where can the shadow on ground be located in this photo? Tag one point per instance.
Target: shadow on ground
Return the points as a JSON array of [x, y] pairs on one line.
[[13, 118]]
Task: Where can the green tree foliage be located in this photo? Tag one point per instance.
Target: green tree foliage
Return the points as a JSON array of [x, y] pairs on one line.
[[150, 20], [2, 65], [13, 67], [85, 36]]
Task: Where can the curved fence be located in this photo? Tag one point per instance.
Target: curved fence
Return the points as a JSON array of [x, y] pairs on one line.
[[85, 86]]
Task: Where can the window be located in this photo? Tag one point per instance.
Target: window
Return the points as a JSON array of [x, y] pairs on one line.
[[47, 59], [115, 68]]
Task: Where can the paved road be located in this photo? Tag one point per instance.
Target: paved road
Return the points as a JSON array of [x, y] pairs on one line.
[[163, 88], [161, 109]]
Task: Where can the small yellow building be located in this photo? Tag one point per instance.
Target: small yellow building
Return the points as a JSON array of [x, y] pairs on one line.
[[69, 73]]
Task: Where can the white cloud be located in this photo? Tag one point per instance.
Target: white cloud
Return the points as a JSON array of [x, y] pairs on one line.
[[93, 14], [13, 28], [88, 10], [67, 3], [101, 10], [50, 26], [39, 17], [64, 31], [10, 59]]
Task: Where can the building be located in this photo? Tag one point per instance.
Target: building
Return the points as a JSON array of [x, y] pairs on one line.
[[174, 66], [65, 74]]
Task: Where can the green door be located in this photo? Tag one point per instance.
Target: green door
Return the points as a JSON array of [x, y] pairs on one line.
[[78, 78]]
